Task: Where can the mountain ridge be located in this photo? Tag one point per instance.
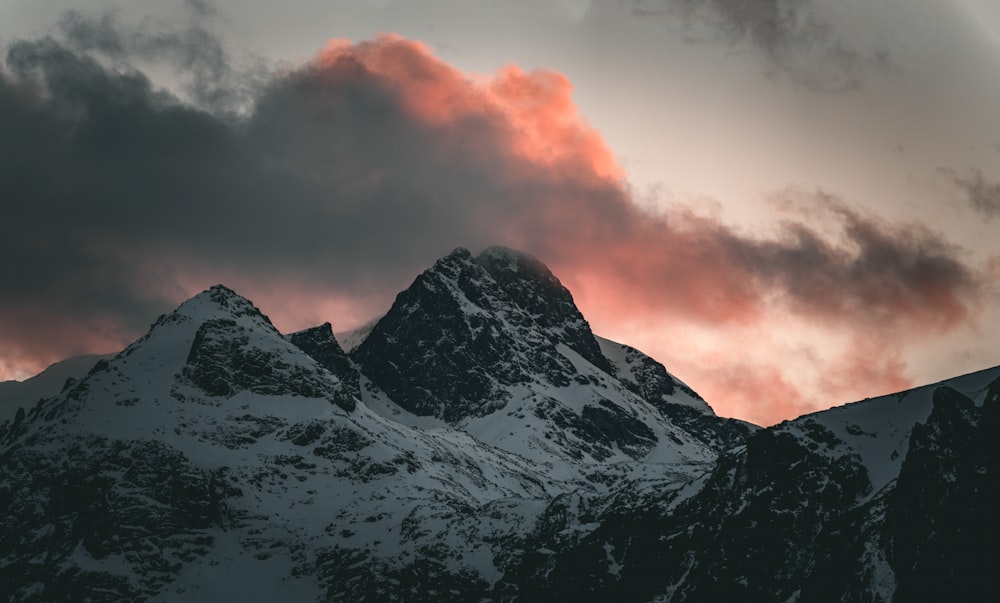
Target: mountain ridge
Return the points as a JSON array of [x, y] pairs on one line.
[[216, 448]]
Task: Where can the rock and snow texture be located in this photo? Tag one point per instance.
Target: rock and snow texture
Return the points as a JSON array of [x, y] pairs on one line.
[[469, 328], [495, 346], [24, 394], [890, 499], [215, 442], [477, 442]]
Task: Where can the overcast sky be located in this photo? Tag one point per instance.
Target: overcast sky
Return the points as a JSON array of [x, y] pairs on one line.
[[791, 204]]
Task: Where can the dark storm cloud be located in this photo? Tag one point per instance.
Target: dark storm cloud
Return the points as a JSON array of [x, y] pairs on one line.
[[114, 190], [208, 73], [796, 42], [829, 262], [981, 193], [348, 175], [895, 274], [100, 165]]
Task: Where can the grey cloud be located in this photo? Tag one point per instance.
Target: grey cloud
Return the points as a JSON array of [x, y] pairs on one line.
[[981, 193], [107, 180], [876, 272], [797, 43], [829, 262], [203, 67], [115, 195]]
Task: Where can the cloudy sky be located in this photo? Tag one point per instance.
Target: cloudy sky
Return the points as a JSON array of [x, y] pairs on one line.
[[791, 203]]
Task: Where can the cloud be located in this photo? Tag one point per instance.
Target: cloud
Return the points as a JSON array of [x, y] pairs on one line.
[[346, 176], [792, 35], [755, 392], [209, 76], [854, 289], [865, 271], [883, 275], [982, 194]]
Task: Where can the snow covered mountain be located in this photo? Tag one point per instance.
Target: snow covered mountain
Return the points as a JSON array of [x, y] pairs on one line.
[[15, 394], [478, 442], [494, 345], [889, 499]]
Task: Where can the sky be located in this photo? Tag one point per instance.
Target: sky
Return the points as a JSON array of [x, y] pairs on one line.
[[792, 204]]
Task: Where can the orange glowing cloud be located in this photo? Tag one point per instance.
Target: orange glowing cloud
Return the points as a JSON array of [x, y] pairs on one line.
[[354, 172], [535, 110]]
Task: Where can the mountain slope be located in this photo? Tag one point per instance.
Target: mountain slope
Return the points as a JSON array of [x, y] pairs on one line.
[[213, 443], [673, 399], [524, 459], [468, 328], [494, 345], [17, 394], [856, 503]]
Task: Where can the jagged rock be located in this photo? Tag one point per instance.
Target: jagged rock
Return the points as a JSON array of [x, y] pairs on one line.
[[672, 398], [942, 520], [793, 515], [227, 356], [469, 328], [322, 347], [547, 465]]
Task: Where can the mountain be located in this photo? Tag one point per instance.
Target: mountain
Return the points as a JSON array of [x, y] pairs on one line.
[[494, 345], [890, 499], [477, 442], [468, 329], [15, 394], [214, 446]]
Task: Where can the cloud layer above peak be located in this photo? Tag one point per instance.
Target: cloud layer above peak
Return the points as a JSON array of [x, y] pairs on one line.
[[326, 187]]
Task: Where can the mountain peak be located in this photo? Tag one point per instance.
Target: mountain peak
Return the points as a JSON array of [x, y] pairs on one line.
[[458, 253], [513, 259], [225, 299], [320, 344], [215, 448], [536, 290], [220, 344], [470, 328], [507, 264]]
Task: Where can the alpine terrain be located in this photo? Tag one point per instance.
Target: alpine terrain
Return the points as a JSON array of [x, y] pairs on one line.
[[477, 443]]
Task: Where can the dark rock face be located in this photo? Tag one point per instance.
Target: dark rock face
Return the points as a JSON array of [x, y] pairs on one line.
[[140, 502], [651, 380], [542, 300], [750, 534], [942, 518], [227, 357], [781, 520], [468, 327], [222, 362], [598, 429], [718, 432], [116, 491], [428, 578], [320, 344]]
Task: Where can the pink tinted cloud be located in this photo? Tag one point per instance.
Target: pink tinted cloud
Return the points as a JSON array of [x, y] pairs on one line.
[[890, 284], [534, 111], [394, 156]]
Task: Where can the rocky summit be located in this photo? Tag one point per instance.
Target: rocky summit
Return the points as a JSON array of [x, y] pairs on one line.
[[477, 443]]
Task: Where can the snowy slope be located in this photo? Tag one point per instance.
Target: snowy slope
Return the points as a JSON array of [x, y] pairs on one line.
[[877, 431], [649, 378], [477, 442], [15, 394], [254, 424], [889, 499], [280, 477], [494, 345]]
